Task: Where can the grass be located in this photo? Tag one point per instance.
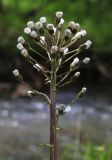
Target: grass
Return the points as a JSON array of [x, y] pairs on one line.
[[87, 152]]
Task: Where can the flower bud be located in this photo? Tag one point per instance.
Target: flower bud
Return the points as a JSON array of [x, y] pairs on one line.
[[32, 93], [88, 44], [83, 33], [24, 52], [84, 89], [21, 40], [43, 20], [20, 46], [30, 24], [77, 74], [15, 72], [59, 14], [50, 26], [27, 30], [86, 60], [80, 34], [73, 26], [33, 34], [68, 33], [75, 62], [38, 25]]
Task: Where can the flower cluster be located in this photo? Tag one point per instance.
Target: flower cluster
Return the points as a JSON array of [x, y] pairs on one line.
[[58, 45]]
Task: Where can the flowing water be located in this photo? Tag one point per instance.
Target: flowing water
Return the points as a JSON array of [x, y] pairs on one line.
[[24, 124]]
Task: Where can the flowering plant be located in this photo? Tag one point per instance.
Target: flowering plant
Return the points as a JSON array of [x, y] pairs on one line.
[[59, 49]]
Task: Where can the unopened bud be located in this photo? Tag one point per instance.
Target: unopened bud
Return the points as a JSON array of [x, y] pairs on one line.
[[20, 46], [77, 74], [43, 20], [88, 44], [73, 26], [15, 72], [59, 14], [68, 33], [30, 24], [86, 60], [32, 93], [33, 34], [50, 26], [38, 25], [21, 40], [27, 30], [24, 52], [75, 62], [17, 75], [83, 91]]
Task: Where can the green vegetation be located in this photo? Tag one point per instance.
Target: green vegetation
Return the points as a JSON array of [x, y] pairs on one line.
[[88, 152], [93, 15]]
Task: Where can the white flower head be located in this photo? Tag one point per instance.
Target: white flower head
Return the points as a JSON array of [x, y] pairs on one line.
[[59, 14], [27, 30], [38, 25], [30, 24], [83, 33], [67, 109], [54, 49], [84, 89], [88, 44], [20, 46], [68, 33], [50, 26], [75, 62], [15, 72], [29, 93], [43, 20], [24, 52], [86, 60], [77, 74], [21, 40], [74, 25], [80, 34], [33, 34]]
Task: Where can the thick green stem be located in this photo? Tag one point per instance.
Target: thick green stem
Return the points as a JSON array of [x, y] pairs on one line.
[[53, 139]]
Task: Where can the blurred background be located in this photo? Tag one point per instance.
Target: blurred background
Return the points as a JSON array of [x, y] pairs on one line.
[[24, 123]]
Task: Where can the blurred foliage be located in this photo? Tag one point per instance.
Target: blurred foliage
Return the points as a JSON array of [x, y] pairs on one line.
[[87, 152], [95, 16]]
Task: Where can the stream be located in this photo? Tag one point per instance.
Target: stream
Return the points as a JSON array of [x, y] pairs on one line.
[[24, 125]]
